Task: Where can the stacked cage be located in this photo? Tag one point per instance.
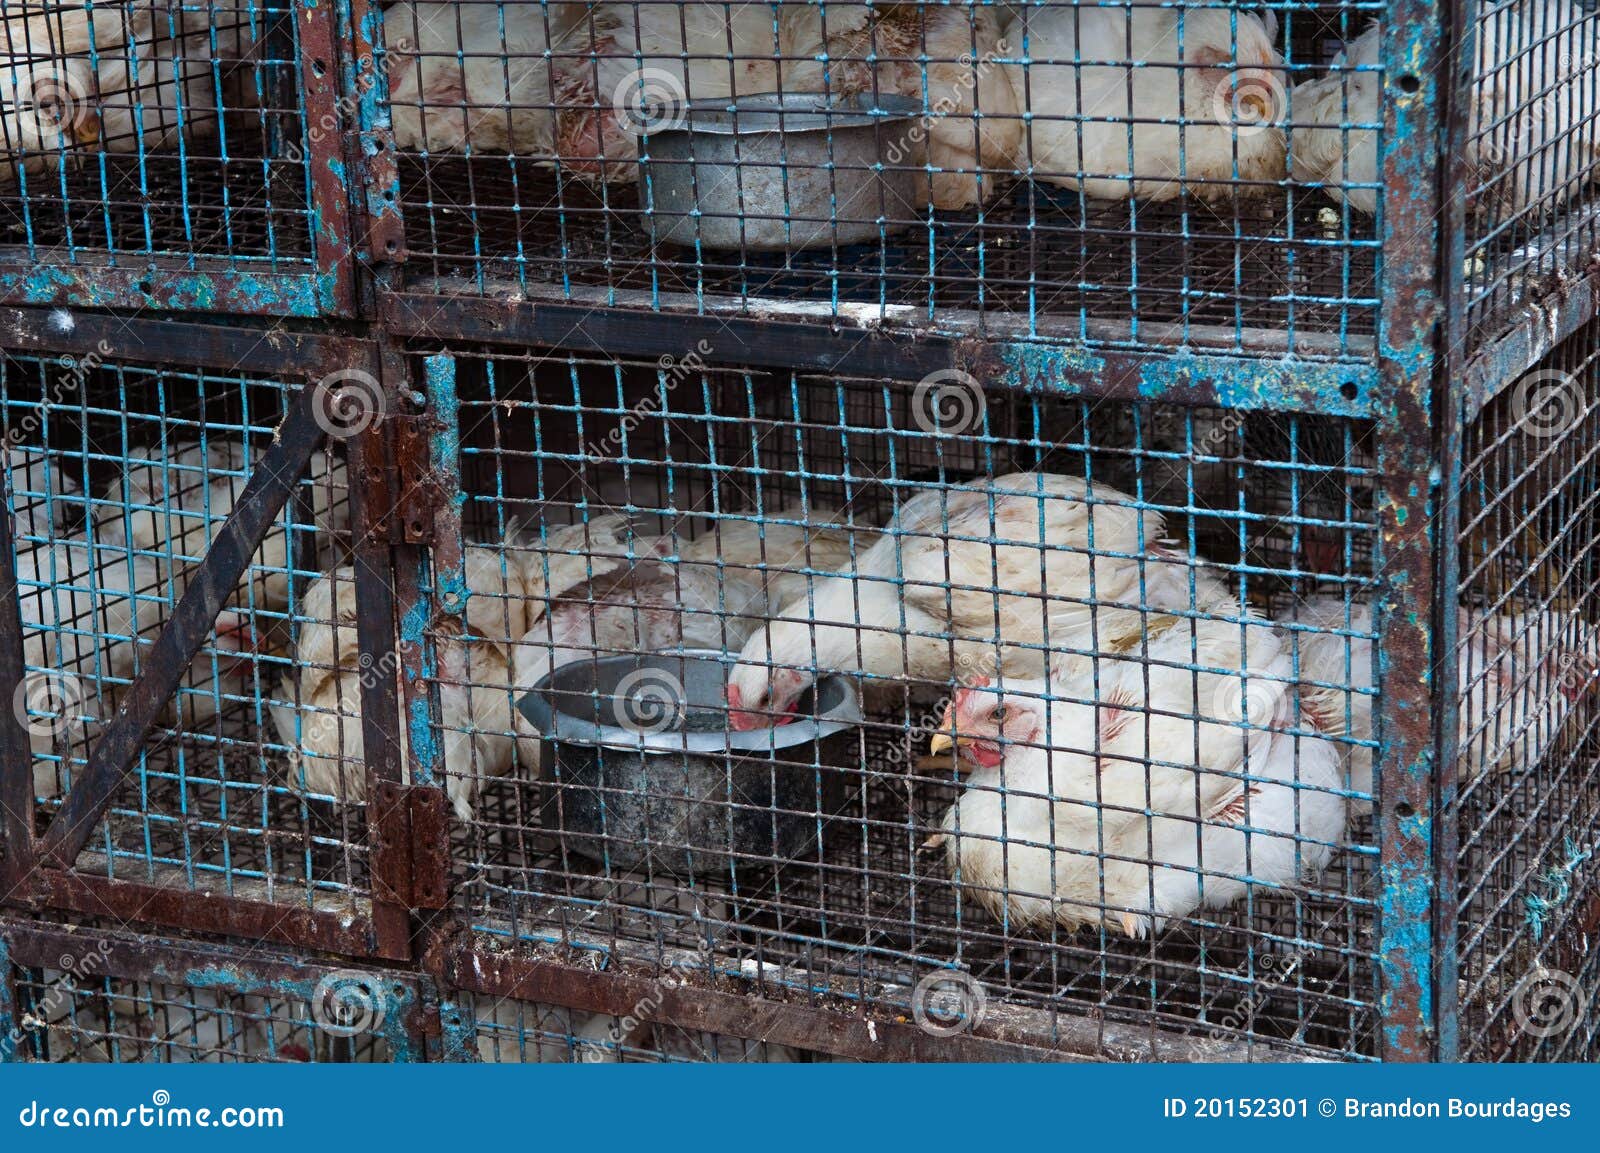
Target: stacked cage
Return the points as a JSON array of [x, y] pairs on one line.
[[842, 530]]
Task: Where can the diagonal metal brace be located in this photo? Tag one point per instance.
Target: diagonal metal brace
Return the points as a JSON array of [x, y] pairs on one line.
[[211, 584]]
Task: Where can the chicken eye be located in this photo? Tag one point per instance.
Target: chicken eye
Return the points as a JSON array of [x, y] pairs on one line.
[[999, 715]]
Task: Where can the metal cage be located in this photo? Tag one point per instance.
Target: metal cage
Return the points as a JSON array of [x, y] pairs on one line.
[[1119, 586], [173, 155]]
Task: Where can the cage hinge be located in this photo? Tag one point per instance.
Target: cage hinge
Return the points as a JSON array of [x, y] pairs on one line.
[[410, 852], [421, 493], [385, 239]]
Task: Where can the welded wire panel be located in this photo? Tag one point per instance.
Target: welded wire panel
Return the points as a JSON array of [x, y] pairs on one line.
[[528, 1032], [1532, 140], [1526, 660], [1117, 172], [716, 620], [90, 1017], [163, 128], [124, 476]]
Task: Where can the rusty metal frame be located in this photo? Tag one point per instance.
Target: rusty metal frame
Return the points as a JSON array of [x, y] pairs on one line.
[[37, 872], [1415, 42], [197, 282], [408, 1024]]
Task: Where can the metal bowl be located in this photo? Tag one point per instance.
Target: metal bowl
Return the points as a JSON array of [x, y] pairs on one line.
[[786, 171], [631, 782]]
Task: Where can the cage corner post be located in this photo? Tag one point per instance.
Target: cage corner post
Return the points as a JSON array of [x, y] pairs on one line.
[[1407, 812]]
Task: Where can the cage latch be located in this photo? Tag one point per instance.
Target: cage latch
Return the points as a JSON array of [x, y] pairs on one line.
[[411, 842]]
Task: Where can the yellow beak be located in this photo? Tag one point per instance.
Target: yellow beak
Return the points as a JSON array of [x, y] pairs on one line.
[[942, 742]]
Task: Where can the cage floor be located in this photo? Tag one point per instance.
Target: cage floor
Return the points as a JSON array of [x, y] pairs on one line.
[[1255, 262], [876, 912], [162, 205], [212, 811]]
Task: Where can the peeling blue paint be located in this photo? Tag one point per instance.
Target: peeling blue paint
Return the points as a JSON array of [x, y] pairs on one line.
[[1238, 382], [305, 294]]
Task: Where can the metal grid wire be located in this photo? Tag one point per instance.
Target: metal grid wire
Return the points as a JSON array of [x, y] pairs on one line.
[[153, 128], [1146, 206], [67, 1017], [1531, 141], [527, 1032], [123, 476], [1529, 779], [625, 507]]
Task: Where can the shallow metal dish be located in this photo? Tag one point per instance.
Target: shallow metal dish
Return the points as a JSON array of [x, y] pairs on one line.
[[677, 801], [782, 172]]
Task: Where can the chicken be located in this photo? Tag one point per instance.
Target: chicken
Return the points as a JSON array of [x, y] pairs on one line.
[[1109, 779], [132, 78], [44, 493], [1113, 131], [172, 501], [320, 717], [1520, 676], [475, 75], [633, 64], [1344, 163], [952, 586], [1533, 134], [89, 616], [597, 590], [945, 57]]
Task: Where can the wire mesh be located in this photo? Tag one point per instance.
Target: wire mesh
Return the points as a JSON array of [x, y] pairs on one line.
[[1035, 181], [528, 1032], [154, 128], [124, 476], [1532, 137], [67, 1017], [613, 509], [1529, 800]]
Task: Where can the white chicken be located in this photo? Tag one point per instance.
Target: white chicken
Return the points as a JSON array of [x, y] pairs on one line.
[[1533, 134], [1167, 788], [1520, 676], [123, 78], [172, 502], [1140, 117], [630, 64], [44, 493], [595, 590], [995, 577], [89, 616], [474, 75], [319, 717], [948, 58]]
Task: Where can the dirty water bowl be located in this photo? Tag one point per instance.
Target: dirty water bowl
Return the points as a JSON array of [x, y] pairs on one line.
[[640, 772], [783, 172]]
